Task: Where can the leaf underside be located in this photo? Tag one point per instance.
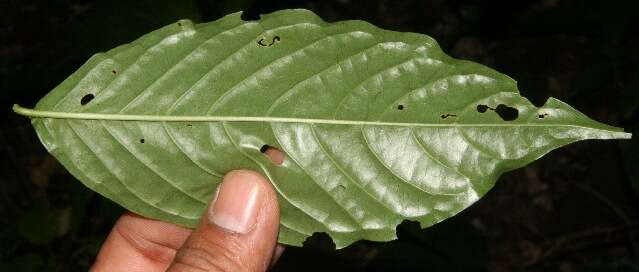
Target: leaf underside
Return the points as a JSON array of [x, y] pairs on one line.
[[377, 126]]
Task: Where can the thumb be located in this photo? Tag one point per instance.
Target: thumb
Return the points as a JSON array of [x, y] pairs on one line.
[[238, 232]]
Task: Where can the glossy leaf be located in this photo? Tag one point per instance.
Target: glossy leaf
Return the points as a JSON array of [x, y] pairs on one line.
[[377, 126]]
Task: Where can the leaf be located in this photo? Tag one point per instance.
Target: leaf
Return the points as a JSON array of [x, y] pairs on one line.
[[377, 126]]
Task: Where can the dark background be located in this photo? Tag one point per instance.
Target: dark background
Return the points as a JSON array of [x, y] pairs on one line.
[[575, 209]]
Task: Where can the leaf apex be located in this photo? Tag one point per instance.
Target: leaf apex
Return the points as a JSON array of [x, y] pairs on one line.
[[624, 135]]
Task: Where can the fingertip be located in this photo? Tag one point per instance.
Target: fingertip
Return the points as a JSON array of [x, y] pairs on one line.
[[245, 176], [267, 190], [276, 156], [242, 197]]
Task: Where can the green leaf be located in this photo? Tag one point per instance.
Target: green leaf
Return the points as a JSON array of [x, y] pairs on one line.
[[377, 126]]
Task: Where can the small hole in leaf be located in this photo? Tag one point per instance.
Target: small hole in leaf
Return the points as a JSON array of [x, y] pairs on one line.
[[482, 108], [114, 71], [142, 140], [189, 125], [320, 241], [444, 116], [541, 116], [86, 99], [250, 15], [400, 107], [407, 227], [179, 24], [275, 39], [264, 148], [276, 155], [507, 113]]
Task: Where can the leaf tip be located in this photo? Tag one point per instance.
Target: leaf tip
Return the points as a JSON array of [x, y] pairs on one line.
[[602, 134]]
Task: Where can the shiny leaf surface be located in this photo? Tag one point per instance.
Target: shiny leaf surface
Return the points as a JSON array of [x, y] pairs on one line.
[[377, 126]]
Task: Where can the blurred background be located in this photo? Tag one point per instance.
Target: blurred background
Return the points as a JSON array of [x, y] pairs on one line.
[[576, 209]]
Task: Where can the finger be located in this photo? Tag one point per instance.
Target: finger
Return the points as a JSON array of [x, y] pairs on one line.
[[279, 249], [140, 244], [238, 231], [275, 155]]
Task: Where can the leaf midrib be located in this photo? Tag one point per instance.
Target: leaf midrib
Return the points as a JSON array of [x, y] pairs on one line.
[[267, 119]]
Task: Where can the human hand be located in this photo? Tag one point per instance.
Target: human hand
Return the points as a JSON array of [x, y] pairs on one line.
[[238, 232]]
